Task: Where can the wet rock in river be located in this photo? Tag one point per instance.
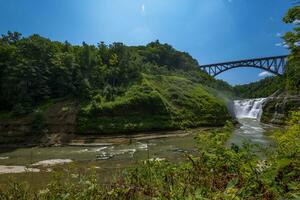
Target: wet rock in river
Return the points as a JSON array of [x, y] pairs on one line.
[[16, 169], [51, 162], [104, 156]]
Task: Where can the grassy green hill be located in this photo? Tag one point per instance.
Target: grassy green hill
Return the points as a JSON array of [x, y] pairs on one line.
[[157, 103]]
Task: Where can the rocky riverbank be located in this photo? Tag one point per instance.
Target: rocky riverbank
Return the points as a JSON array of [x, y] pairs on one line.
[[278, 106]]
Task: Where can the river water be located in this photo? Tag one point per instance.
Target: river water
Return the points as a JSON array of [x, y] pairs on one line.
[[116, 157], [248, 113]]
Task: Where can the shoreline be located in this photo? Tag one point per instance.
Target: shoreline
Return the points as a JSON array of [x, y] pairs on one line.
[[59, 140]]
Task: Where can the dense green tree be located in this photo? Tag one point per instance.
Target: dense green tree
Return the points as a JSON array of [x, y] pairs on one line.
[[262, 88], [292, 39], [34, 68]]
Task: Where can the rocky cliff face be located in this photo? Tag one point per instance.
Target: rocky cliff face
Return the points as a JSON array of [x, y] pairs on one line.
[[57, 121], [278, 106]]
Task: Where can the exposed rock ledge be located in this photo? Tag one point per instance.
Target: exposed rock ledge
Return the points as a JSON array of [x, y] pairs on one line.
[[278, 106]]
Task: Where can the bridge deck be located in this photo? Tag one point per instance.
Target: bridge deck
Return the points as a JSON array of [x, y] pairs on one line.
[[273, 64], [246, 60]]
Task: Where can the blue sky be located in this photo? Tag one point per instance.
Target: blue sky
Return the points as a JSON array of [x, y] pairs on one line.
[[210, 30]]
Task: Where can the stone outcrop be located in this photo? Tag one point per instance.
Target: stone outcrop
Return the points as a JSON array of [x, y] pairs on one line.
[[277, 107], [57, 123]]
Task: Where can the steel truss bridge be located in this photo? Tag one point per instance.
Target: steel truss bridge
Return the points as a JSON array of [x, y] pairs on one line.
[[275, 65]]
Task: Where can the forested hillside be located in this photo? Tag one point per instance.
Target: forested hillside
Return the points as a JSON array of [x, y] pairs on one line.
[[109, 88], [262, 88]]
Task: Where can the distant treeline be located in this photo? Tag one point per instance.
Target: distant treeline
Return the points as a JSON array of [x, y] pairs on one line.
[[262, 88]]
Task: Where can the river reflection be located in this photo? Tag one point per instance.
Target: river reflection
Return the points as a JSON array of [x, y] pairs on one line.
[[251, 131]]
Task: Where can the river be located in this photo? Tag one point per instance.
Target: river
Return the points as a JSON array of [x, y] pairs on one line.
[[114, 158], [248, 113]]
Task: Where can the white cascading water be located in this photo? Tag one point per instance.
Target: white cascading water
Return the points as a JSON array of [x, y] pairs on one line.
[[248, 108]]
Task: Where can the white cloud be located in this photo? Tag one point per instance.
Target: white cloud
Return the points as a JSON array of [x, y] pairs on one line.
[[263, 74], [283, 44], [297, 21]]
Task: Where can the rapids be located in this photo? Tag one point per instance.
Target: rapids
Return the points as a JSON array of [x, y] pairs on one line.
[[248, 113], [248, 108]]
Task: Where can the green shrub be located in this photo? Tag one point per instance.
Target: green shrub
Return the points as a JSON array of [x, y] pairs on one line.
[[38, 124], [19, 109]]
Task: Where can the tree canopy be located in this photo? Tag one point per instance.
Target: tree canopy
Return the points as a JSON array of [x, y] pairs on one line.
[[292, 39]]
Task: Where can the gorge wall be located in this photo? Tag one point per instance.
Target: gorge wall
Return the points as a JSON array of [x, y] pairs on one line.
[[277, 107]]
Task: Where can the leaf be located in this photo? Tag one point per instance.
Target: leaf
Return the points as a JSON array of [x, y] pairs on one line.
[[232, 183], [296, 196], [294, 186], [284, 162]]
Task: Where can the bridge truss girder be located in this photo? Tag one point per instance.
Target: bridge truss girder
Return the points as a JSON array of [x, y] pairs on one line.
[[275, 65]]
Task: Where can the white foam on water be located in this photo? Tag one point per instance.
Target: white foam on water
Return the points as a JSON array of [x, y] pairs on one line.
[[83, 150], [248, 112], [156, 159], [99, 149], [142, 146], [52, 162], [104, 156], [249, 108], [124, 151]]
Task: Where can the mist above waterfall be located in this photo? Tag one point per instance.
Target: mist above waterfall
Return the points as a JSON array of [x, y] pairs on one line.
[[248, 108]]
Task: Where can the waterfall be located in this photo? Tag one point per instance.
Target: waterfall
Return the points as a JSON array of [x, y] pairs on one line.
[[248, 108]]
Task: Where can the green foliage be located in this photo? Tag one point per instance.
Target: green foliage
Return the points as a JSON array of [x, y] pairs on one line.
[[262, 88], [19, 109], [292, 40], [116, 95], [157, 103], [16, 191], [289, 140], [33, 69], [38, 122], [119, 88]]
